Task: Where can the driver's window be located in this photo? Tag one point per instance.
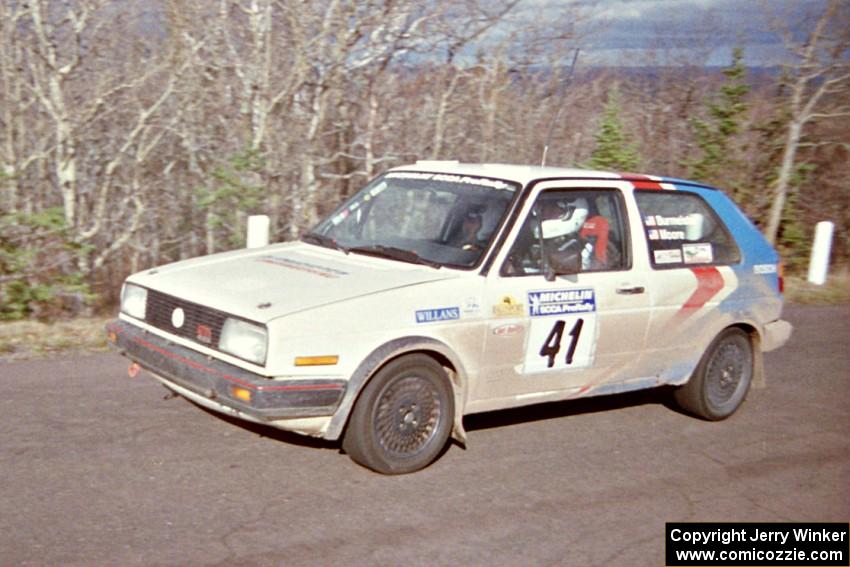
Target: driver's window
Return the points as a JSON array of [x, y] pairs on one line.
[[571, 231]]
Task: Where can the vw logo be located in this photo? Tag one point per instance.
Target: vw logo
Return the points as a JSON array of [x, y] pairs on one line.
[[178, 317]]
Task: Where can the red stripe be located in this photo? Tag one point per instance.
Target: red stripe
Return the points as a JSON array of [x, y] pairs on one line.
[[641, 181], [709, 283], [647, 185]]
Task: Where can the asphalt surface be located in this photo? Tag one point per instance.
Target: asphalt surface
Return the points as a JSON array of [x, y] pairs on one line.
[[98, 469]]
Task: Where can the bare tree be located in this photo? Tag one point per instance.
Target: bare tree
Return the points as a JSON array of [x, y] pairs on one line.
[[155, 128], [89, 71], [12, 101], [822, 72]]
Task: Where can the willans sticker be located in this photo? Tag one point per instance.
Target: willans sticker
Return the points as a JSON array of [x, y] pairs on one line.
[[437, 314]]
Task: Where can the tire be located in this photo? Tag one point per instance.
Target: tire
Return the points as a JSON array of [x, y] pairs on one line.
[[722, 379], [403, 418]]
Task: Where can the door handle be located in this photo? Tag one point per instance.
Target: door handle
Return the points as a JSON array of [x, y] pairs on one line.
[[637, 290]]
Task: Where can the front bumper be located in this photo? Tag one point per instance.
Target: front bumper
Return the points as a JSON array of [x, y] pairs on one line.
[[224, 384]]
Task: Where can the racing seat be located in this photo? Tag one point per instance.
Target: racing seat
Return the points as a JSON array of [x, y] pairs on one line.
[[595, 230]]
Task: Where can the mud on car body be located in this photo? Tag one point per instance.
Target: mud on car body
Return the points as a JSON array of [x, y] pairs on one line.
[[443, 289]]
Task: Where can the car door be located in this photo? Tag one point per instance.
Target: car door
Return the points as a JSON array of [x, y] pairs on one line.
[[570, 332]]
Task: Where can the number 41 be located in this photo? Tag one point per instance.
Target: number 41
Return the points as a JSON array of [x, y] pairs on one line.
[[552, 345]]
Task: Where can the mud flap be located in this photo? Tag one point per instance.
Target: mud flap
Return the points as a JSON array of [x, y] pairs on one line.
[[458, 432], [759, 380]]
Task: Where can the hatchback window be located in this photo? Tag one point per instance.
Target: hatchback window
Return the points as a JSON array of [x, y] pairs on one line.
[[682, 230], [583, 229]]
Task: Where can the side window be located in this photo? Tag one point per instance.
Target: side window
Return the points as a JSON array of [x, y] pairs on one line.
[[682, 230], [571, 231]]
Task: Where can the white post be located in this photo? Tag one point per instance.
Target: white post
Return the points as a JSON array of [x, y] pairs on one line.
[[258, 231], [819, 263]]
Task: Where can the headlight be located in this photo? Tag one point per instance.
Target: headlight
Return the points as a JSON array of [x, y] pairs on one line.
[[134, 300], [244, 340]]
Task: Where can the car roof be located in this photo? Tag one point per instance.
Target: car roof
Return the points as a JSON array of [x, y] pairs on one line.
[[524, 174]]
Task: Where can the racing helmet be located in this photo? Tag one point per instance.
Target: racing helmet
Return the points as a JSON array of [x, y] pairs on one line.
[[569, 216]]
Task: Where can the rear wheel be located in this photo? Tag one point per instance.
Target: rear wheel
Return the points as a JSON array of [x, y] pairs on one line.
[[722, 378], [403, 418]]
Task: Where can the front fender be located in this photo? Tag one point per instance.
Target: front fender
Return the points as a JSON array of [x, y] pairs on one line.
[[383, 354]]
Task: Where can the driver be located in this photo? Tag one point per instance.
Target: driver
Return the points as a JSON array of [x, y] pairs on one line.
[[469, 228], [556, 222], [561, 223]]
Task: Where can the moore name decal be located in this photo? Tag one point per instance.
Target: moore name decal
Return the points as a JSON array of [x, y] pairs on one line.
[[438, 314], [664, 234], [561, 302]]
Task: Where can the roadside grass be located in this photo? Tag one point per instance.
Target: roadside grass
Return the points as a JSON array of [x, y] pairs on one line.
[[34, 339], [836, 289]]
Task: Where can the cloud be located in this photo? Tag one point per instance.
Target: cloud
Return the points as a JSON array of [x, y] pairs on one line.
[[710, 27], [699, 32]]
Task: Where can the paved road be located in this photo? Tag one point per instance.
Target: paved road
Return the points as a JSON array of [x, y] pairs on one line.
[[98, 469]]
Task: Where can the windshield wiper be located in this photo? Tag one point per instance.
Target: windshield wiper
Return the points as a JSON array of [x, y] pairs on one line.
[[323, 240], [394, 253]]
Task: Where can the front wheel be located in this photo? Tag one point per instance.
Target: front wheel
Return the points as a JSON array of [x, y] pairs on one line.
[[722, 379], [403, 418]]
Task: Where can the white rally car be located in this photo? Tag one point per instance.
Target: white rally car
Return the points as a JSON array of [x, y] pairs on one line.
[[443, 289]]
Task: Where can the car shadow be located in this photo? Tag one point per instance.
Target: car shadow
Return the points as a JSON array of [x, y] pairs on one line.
[[272, 433], [487, 420], [566, 408]]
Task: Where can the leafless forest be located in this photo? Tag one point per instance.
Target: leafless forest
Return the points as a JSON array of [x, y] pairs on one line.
[[137, 133]]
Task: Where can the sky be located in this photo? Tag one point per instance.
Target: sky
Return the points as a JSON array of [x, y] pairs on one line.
[[703, 32]]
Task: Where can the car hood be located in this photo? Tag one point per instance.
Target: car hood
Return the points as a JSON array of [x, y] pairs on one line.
[[266, 283]]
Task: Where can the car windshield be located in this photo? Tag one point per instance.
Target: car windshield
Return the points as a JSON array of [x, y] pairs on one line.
[[430, 218]]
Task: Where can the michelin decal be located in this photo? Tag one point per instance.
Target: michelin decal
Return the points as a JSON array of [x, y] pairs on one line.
[[561, 302]]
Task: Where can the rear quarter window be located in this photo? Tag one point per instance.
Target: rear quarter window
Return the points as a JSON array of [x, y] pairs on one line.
[[682, 230]]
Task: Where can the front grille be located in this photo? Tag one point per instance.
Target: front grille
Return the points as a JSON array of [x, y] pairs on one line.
[[200, 324]]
